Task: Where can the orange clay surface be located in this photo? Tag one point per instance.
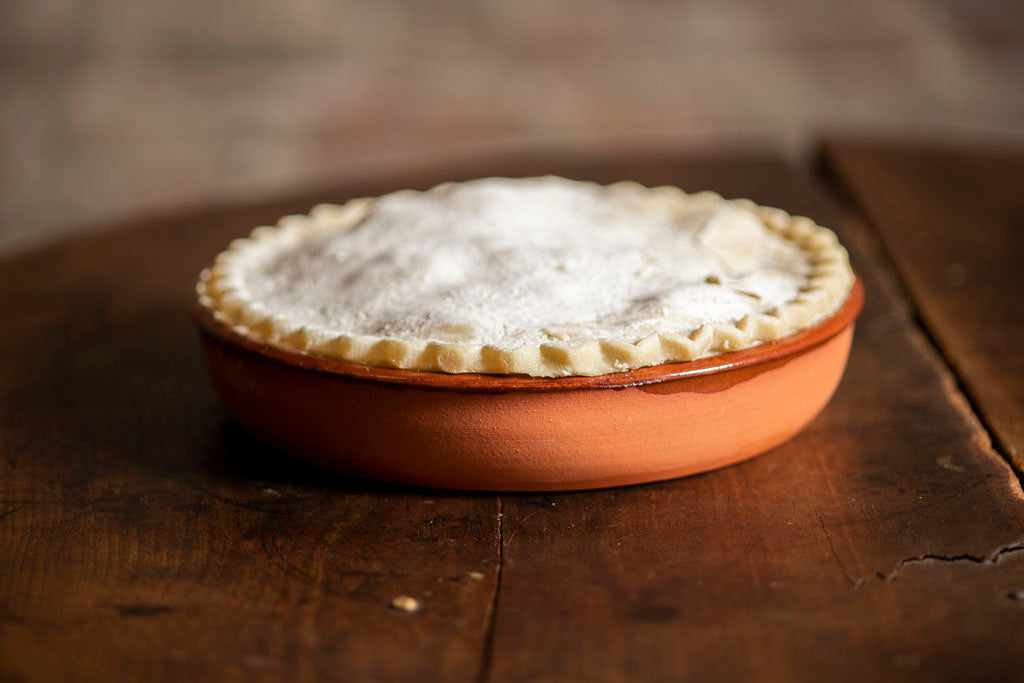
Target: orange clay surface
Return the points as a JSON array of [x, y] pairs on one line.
[[518, 434]]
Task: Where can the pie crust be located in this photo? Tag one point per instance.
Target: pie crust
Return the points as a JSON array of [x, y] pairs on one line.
[[234, 293]]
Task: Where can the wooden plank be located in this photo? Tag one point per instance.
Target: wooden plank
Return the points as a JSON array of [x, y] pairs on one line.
[[952, 220], [144, 537], [884, 543], [141, 536]]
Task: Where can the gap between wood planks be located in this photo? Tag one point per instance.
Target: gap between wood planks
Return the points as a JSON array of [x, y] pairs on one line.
[[957, 389], [487, 656]]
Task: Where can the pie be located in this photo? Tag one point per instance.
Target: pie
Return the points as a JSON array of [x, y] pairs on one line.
[[545, 277]]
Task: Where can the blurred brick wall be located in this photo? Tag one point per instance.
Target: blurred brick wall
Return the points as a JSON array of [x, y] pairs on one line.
[[110, 107]]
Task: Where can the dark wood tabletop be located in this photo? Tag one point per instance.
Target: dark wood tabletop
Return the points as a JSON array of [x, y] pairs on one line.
[[144, 536]]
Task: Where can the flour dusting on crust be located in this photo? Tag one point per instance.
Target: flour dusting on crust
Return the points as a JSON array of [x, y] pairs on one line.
[[540, 276]]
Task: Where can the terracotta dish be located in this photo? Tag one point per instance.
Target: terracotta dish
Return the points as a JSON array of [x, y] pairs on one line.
[[518, 433]]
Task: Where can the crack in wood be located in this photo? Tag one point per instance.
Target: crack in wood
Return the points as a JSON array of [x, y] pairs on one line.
[[141, 610], [491, 617], [853, 582], [856, 583], [964, 557]]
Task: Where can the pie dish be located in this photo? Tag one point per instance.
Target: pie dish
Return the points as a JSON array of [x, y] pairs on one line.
[[530, 334]]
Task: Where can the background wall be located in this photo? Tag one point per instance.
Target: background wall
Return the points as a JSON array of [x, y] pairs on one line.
[[111, 107]]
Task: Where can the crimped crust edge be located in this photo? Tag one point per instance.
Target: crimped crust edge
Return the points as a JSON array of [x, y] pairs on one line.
[[827, 287]]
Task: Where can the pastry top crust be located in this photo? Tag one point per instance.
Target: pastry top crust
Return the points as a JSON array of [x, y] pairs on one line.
[[545, 277]]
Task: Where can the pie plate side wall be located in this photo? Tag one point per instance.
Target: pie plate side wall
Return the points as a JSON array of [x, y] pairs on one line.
[[531, 440]]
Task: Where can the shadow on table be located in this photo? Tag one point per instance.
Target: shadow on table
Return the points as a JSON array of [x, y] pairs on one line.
[[234, 454]]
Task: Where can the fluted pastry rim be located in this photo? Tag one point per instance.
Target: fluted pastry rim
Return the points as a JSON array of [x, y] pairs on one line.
[[827, 286]]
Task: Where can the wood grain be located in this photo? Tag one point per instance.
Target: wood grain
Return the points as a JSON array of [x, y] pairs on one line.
[[143, 536], [952, 221], [793, 566]]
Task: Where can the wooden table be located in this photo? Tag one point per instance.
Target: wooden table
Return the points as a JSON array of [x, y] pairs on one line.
[[143, 536]]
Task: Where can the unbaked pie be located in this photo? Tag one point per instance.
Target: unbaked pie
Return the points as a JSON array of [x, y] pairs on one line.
[[545, 277]]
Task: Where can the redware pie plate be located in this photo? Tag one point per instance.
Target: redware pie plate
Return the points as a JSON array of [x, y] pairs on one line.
[[519, 433]]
